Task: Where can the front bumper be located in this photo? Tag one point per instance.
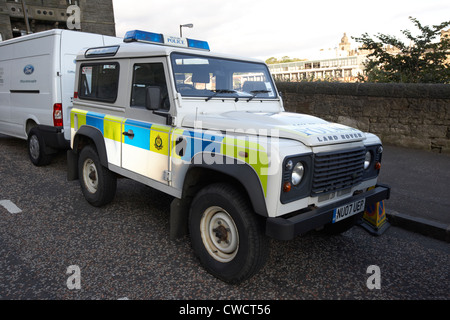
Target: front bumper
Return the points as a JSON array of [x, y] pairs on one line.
[[288, 228]]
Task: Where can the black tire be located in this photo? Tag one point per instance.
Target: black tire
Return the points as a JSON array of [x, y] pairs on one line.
[[36, 148], [97, 182], [224, 215]]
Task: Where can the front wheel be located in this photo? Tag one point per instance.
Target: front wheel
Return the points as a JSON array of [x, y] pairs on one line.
[[97, 182], [226, 234]]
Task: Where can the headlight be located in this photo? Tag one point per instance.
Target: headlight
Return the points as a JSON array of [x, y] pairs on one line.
[[297, 174], [367, 160], [296, 177]]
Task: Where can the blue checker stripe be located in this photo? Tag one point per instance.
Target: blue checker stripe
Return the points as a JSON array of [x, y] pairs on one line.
[[197, 142], [95, 120], [141, 132]]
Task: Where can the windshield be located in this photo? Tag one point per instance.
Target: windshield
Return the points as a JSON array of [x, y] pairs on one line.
[[202, 76]]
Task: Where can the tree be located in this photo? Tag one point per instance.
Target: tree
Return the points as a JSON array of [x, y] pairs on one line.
[[273, 60], [423, 60]]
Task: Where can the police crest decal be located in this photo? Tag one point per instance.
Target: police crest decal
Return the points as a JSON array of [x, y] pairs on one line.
[[158, 143]]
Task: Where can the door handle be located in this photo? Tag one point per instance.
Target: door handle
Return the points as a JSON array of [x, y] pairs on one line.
[[129, 134]]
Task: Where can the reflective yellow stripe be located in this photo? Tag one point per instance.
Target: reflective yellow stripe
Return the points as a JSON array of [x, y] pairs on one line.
[[159, 139], [80, 116], [112, 127], [250, 152]]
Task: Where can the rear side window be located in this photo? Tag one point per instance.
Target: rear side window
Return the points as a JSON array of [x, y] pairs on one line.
[[99, 81]]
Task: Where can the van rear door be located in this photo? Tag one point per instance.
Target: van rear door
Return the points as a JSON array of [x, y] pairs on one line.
[[5, 78]]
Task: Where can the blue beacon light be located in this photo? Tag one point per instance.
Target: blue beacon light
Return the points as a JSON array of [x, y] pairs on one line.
[[138, 35], [158, 38], [198, 44]]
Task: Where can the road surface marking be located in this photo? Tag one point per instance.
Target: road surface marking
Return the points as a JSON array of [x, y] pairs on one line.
[[11, 207]]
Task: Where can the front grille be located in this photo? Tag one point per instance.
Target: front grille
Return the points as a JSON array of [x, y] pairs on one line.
[[335, 171]]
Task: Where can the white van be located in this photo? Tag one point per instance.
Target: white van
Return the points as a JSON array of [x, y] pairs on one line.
[[37, 74]]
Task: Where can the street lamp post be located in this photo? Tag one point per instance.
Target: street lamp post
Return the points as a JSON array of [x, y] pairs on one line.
[[25, 16], [189, 25]]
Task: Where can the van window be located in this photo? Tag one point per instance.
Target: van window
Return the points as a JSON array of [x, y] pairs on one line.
[[145, 75], [99, 81]]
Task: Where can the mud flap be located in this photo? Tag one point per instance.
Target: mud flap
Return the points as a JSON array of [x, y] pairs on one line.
[[179, 214], [72, 165]]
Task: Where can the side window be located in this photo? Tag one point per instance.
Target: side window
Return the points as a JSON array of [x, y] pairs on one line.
[[99, 81], [146, 75]]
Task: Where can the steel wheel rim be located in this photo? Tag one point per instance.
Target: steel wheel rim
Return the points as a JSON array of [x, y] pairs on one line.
[[90, 175], [219, 234], [34, 147]]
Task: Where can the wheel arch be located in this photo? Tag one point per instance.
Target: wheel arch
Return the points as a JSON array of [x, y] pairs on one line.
[[229, 170], [86, 135], [90, 135], [201, 174], [30, 124]]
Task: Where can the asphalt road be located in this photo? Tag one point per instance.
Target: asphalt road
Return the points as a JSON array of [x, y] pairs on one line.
[[420, 182], [123, 250]]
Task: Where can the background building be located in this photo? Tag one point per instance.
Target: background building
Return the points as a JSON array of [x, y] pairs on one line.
[[338, 64], [341, 63], [95, 16], [344, 69]]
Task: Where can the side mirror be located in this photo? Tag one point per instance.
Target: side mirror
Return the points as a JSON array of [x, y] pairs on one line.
[[153, 99]]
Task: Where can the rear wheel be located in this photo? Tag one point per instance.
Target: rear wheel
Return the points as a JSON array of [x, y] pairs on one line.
[[97, 182], [36, 148], [226, 234]]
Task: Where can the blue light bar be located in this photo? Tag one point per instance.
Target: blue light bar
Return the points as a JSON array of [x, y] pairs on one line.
[[158, 38], [138, 35], [198, 44]]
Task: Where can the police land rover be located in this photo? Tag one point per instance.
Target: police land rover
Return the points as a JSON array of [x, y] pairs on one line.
[[210, 130]]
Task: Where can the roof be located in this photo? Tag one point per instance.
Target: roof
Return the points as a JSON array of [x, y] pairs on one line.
[[140, 49], [47, 33]]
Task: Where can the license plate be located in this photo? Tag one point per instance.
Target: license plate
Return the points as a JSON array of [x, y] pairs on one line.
[[348, 210]]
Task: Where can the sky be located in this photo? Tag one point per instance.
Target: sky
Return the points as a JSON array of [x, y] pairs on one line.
[[262, 29]]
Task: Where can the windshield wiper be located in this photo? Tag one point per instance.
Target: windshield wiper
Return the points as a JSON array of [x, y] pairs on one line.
[[255, 93], [216, 92]]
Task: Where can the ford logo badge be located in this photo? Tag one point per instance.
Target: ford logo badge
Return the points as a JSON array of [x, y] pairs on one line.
[[29, 69]]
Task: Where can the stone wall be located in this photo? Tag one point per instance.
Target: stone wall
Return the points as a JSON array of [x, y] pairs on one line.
[[410, 115]]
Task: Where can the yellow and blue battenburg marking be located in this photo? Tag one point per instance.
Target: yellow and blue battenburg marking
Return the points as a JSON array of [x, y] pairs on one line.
[[141, 131], [187, 143], [190, 142], [95, 120], [146, 135], [184, 145]]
